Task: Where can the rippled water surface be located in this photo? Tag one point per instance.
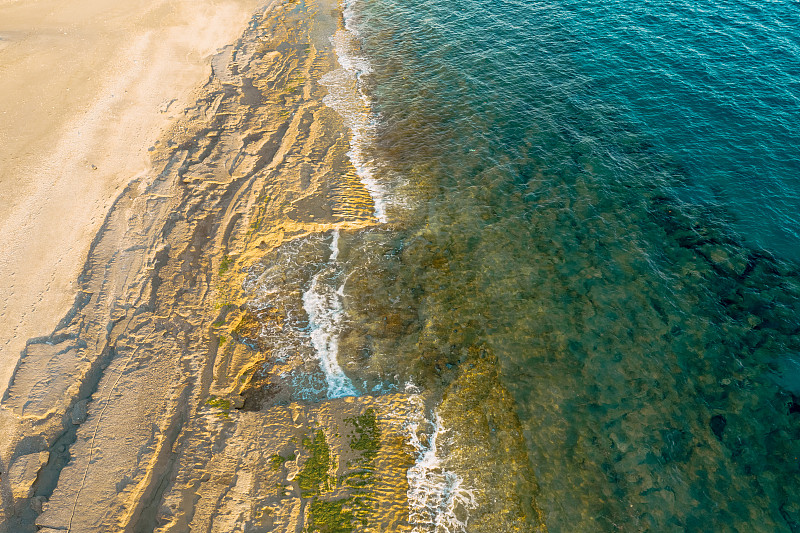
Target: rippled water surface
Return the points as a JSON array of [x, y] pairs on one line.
[[591, 239]]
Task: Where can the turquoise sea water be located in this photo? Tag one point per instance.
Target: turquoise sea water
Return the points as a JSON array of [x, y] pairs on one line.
[[600, 200]]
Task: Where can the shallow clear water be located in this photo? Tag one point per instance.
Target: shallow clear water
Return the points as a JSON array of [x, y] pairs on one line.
[[600, 200]]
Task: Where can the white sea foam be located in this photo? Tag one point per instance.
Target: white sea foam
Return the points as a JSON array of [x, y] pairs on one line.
[[323, 304], [299, 291], [437, 498], [345, 97]]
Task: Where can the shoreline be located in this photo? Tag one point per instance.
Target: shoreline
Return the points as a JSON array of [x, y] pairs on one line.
[[185, 388], [257, 160]]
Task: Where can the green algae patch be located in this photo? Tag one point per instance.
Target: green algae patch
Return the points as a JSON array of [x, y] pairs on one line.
[[367, 439], [327, 516], [340, 482], [277, 461], [225, 265], [222, 404], [219, 403], [330, 517], [314, 478]]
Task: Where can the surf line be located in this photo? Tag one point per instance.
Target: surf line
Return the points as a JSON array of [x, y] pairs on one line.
[[346, 97], [323, 305], [437, 498]]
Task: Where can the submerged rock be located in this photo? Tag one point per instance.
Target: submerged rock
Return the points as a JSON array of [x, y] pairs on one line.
[[718, 424]]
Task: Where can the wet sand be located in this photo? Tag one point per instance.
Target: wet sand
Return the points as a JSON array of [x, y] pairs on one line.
[[85, 88]]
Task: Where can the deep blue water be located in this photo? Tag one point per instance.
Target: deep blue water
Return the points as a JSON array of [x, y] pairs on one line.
[[600, 198]]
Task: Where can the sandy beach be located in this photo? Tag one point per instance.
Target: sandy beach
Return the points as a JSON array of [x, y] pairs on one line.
[[85, 88]]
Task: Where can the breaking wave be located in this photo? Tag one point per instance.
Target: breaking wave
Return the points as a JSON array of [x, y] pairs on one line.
[[323, 304]]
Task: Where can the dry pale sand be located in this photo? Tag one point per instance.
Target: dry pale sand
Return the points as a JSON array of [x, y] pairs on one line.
[[85, 88]]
